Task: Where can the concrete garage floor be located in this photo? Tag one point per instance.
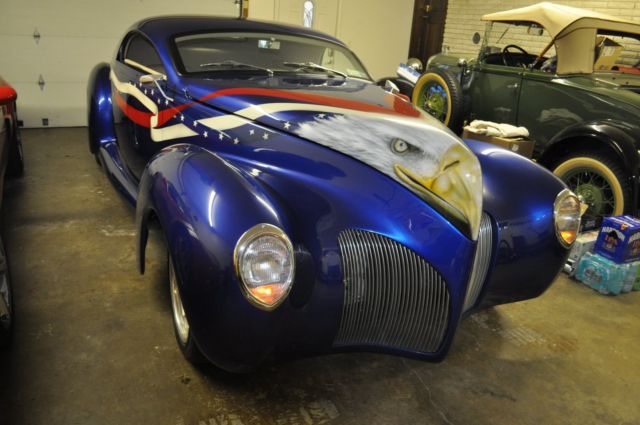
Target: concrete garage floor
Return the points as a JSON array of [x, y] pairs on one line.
[[95, 344]]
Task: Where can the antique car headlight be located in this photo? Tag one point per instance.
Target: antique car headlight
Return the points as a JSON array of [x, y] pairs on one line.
[[566, 216], [264, 262]]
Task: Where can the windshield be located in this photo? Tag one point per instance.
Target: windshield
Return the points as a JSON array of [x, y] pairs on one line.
[[531, 38], [266, 54]]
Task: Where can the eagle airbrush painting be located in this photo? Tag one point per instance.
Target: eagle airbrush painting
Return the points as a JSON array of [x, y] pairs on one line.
[[306, 209]]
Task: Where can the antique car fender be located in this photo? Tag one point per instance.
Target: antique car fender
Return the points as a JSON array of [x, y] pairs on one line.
[[617, 139], [203, 205], [99, 107]]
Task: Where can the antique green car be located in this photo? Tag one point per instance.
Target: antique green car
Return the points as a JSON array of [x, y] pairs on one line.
[[570, 77]]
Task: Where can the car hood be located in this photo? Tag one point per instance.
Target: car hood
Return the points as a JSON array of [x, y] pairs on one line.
[[361, 120]]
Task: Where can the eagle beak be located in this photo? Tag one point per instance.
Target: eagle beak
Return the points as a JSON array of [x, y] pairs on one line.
[[457, 184]]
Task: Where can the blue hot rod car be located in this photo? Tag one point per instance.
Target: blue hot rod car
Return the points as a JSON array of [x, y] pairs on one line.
[[306, 209]]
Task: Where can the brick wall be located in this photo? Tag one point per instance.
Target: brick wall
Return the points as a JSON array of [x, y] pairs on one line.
[[463, 20]]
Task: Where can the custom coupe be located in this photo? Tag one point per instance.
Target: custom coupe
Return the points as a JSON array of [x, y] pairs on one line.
[[571, 77], [305, 209]]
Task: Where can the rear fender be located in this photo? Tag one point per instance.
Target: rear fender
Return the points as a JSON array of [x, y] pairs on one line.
[[99, 107], [204, 204], [617, 137], [612, 137]]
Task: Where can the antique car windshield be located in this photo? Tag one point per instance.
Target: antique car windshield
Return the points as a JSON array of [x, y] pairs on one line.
[[532, 38], [264, 53]]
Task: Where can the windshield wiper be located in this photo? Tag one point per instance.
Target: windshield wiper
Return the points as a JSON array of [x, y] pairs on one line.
[[235, 64], [314, 66]]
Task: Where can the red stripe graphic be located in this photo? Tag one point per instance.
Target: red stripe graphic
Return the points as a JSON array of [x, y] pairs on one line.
[[397, 105]]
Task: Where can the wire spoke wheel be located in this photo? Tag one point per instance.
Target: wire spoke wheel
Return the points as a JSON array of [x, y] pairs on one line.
[[435, 101], [598, 181], [438, 93]]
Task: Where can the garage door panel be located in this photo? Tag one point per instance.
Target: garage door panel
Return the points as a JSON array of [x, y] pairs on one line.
[[110, 18], [57, 59], [64, 104], [74, 36]]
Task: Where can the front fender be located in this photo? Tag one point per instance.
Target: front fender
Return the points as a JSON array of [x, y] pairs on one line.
[[99, 108], [204, 204], [519, 195]]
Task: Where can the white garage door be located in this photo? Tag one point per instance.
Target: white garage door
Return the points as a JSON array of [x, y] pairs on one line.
[[75, 35]]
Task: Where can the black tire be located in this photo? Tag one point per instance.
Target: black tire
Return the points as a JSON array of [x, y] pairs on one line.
[[185, 340], [599, 179], [7, 319], [15, 161], [438, 92]]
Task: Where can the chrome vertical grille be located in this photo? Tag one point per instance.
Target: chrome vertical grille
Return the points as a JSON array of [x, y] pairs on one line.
[[392, 297], [481, 263]]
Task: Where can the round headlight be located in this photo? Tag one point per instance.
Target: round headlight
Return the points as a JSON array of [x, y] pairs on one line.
[[264, 263], [566, 215]]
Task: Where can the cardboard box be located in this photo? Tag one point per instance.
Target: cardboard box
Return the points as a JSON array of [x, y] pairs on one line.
[[607, 53], [520, 145], [619, 239]]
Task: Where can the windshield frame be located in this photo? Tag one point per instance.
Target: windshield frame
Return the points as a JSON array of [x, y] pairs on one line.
[[182, 71]]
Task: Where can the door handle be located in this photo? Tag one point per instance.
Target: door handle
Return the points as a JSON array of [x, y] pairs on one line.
[[513, 86]]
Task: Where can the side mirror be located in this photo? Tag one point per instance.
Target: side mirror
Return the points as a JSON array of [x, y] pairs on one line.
[[155, 78], [391, 87], [151, 78]]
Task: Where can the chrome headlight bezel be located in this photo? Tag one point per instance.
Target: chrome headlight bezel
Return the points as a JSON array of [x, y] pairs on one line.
[[566, 221], [244, 243]]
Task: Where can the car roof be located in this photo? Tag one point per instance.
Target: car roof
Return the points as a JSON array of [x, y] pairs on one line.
[[555, 18], [572, 30], [158, 28]]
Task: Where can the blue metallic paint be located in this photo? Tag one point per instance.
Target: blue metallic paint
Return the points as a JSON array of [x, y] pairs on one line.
[[206, 193], [519, 196]]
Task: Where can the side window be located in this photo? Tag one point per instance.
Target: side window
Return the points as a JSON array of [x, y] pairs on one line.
[[141, 51]]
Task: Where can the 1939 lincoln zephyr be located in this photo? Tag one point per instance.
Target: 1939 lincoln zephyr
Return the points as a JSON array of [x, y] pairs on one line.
[[306, 209]]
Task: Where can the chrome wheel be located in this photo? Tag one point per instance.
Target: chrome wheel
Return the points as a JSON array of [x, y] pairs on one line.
[[179, 317]]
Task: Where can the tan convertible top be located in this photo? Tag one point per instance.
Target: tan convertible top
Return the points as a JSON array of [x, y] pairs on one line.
[[572, 30]]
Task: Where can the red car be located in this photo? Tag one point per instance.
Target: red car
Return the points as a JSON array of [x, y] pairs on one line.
[[11, 164]]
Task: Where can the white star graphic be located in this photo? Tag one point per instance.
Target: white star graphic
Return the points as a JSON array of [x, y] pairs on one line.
[[220, 136], [158, 101], [287, 125], [321, 115], [265, 136], [195, 123], [166, 102], [151, 92], [145, 91], [181, 117], [205, 134], [236, 141], [251, 132]]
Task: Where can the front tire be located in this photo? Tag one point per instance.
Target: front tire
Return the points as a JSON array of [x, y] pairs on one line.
[[599, 180], [438, 92], [15, 162], [6, 300], [181, 325]]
